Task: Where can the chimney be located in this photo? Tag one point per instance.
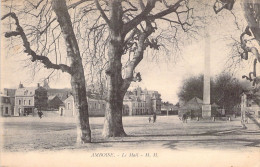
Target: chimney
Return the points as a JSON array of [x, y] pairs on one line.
[[38, 85], [20, 85]]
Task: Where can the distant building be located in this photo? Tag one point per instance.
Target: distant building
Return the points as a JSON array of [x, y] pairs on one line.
[[54, 102], [6, 109], [192, 108], [28, 98], [69, 108], [62, 94], [169, 109], [142, 102], [96, 106], [137, 102], [11, 94]]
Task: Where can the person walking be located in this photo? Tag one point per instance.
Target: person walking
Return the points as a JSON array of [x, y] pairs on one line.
[[154, 117], [149, 119], [40, 114], [184, 118]]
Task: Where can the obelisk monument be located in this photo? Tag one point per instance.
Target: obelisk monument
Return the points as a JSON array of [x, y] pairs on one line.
[[206, 107]]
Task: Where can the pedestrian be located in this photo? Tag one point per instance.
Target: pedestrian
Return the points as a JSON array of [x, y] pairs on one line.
[[40, 114], [184, 118], [154, 117], [149, 119]]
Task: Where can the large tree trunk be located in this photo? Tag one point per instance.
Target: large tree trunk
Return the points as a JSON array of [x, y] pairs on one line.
[[113, 125], [81, 106], [77, 71]]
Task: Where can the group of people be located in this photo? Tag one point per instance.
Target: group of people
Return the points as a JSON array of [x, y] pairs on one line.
[[40, 114], [154, 118]]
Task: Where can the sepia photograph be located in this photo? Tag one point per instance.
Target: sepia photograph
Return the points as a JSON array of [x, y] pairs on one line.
[[140, 83]]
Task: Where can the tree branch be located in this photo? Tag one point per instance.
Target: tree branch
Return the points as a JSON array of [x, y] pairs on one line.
[[69, 7], [171, 9], [139, 18], [104, 16], [44, 60], [138, 56], [76, 4], [247, 49], [35, 6]]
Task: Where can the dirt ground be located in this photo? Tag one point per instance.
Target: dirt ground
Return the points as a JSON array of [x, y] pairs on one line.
[[59, 133], [50, 141]]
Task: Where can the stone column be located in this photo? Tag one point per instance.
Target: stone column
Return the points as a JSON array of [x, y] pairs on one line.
[[206, 107], [243, 107]]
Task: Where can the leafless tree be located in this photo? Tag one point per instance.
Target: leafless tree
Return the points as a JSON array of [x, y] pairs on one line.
[[38, 27], [251, 10], [112, 35], [133, 28]]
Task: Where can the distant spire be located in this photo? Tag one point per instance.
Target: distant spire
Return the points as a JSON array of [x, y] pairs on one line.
[[21, 85], [45, 84]]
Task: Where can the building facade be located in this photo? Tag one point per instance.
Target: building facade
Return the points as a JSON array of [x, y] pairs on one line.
[[193, 108], [10, 93], [169, 109], [29, 98], [96, 106], [6, 108], [142, 102]]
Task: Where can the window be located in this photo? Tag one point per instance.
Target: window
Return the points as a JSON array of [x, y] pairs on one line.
[[6, 110], [103, 105], [95, 105], [20, 101], [29, 102], [68, 106]]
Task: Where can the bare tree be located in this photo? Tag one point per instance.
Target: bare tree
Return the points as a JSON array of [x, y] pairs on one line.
[[251, 10], [131, 26], [252, 15], [106, 42], [32, 38]]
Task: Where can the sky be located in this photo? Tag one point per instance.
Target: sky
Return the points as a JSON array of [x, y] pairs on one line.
[[164, 75]]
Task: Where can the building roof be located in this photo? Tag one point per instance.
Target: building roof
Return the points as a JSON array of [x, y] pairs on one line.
[[61, 93], [193, 104], [52, 97], [29, 91], [169, 106], [9, 92], [215, 105]]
